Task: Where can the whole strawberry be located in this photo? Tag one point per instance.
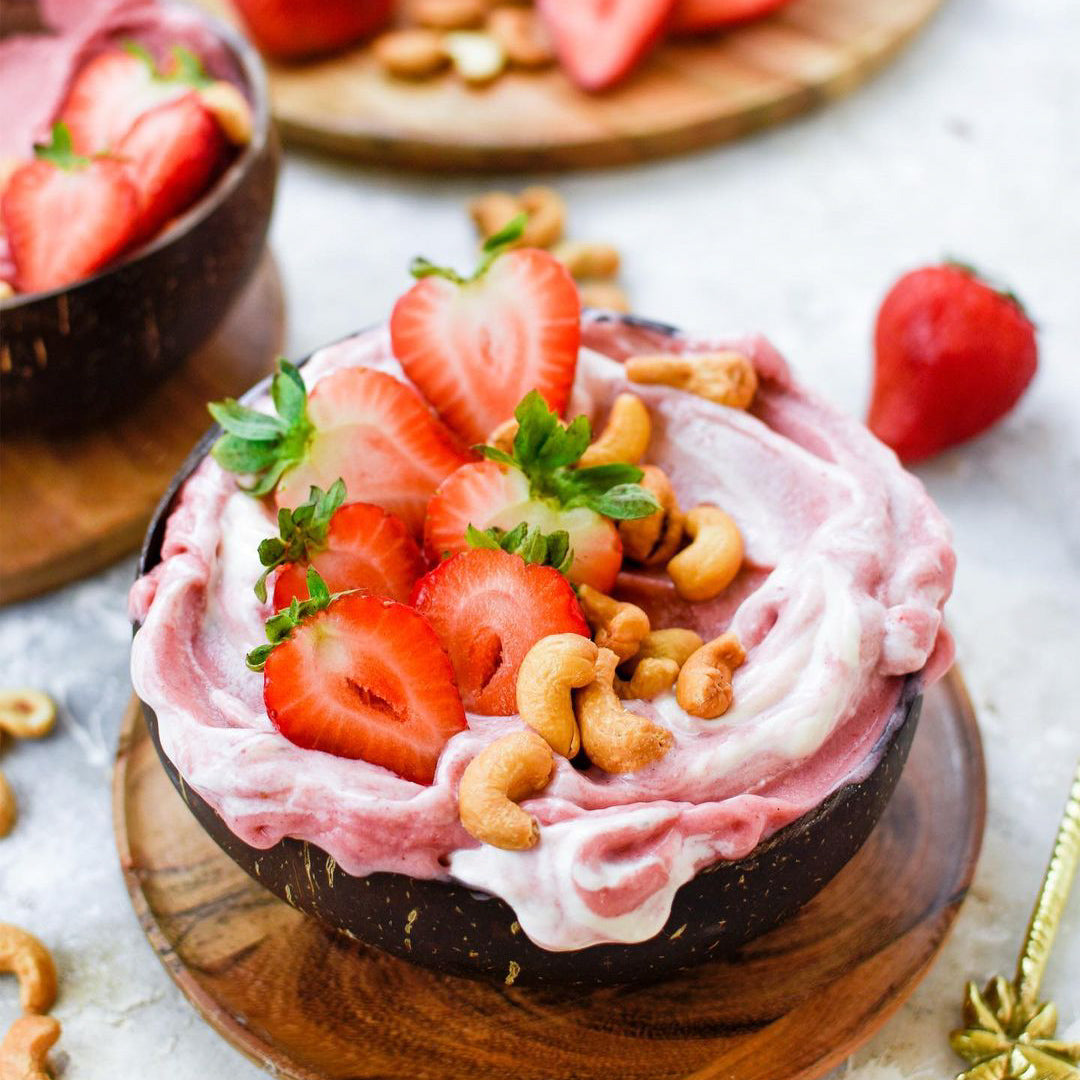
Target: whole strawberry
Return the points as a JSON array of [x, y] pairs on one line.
[[952, 356]]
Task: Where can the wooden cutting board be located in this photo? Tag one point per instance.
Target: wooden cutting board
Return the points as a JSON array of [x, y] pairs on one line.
[[688, 94], [307, 1004], [69, 507]]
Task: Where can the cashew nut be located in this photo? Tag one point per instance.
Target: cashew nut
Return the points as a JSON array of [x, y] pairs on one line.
[[26, 714], [674, 643], [8, 808], [651, 677], [708, 565], [654, 539], [588, 259], [616, 624], [604, 295], [625, 437], [522, 36], [547, 216], [26, 1046], [501, 775], [477, 58], [25, 957], [7, 290], [728, 378], [616, 740], [415, 53], [231, 110], [492, 212], [448, 14], [704, 687], [554, 666]]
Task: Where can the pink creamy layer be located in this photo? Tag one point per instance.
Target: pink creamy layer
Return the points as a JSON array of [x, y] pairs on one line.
[[848, 566], [36, 69]]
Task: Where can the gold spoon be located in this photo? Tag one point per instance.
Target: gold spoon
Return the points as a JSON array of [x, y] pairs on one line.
[[1009, 1033]]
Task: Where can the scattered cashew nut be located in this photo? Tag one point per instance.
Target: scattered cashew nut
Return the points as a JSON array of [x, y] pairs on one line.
[[496, 780], [704, 686], [547, 216], [553, 667], [655, 666], [616, 624], [604, 295], [588, 259], [23, 955], [522, 36], [478, 58], [654, 539], [625, 437], [674, 643], [26, 1046], [448, 14], [615, 739], [708, 565], [8, 807], [26, 714], [7, 290], [651, 678], [415, 53], [231, 110], [728, 378]]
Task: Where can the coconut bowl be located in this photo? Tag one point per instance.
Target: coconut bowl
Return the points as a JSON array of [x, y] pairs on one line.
[[455, 930], [74, 356]]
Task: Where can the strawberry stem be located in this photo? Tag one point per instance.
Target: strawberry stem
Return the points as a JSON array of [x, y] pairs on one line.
[[494, 246], [535, 547], [60, 151], [1003, 291]]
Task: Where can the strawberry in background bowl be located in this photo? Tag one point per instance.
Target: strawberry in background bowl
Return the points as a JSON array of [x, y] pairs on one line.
[[136, 189]]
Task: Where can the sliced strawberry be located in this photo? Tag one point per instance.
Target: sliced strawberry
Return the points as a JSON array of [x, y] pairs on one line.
[[379, 436], [366, 548], [365, 678], [486, 494], [599, 41], [697, 16], [292, 29], [173, 152], [67, 216], [475, 347], [116, 87], [489, 608]]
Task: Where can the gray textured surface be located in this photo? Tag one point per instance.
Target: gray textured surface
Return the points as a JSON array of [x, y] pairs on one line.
[[968, 145]]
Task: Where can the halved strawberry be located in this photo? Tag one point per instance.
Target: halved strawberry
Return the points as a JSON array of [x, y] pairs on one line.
[[489, 608], [66, 216], [599, 41], [474, 347], [173, 152], [296, 28], [361, 677], [366, 548], [368, 428], [116, 87], [486, 494], [696, 16]]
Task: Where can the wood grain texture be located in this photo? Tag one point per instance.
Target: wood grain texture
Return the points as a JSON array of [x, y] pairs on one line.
[[689, 94], [71, 506], [311, 1005]]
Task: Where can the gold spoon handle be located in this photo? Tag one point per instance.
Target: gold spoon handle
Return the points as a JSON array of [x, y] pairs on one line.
[[1051, 902]]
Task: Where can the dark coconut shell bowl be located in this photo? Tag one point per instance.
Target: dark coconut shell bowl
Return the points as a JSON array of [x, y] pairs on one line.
[[76, 355], [455, 930]]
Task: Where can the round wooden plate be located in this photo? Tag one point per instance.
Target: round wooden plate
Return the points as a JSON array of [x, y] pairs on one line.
[[69, 507], [689, 94], [308, 1004]]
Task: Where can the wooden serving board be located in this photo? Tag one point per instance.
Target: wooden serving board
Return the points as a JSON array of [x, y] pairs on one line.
[[688, 94], [308, 1004], [69, 507]]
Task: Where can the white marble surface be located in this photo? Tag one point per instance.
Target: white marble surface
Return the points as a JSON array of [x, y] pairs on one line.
[[970, 145]]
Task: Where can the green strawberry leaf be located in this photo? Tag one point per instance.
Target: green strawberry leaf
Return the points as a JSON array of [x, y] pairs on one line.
[[60, 151], [280, 627], [186, 68], [494, 246], [623, 502], [301, 532], [259, 445], [535, 547]]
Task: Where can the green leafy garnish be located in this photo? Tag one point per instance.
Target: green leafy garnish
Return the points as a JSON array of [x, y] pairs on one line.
[[493, 247], [280, 627], [302, 532], [545, 452], [259, 445], [60, 150], [185, 70], [534, 546]]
